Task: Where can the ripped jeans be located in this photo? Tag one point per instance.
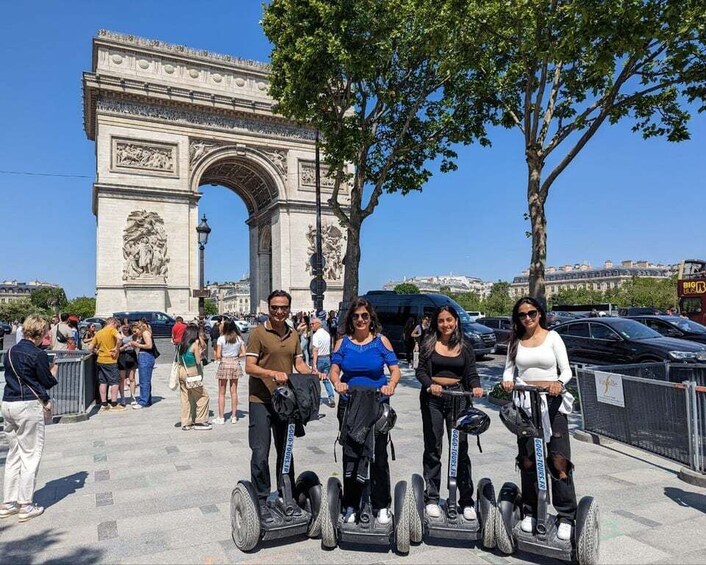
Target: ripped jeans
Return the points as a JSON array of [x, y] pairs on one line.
[[558, 464]]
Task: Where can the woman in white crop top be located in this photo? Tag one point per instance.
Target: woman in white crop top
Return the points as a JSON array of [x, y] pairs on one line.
[[230, 349], [538, 356]]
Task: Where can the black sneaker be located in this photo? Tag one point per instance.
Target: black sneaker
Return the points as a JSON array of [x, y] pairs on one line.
[[203, 426], [331, 402], [266, 513]]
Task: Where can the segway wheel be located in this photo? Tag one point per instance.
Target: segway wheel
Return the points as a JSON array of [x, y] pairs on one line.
[[245, 516], [307, 490], [416, 515], [330, 511], [403, 509], [587, 531], [509, 514], [487, 511]]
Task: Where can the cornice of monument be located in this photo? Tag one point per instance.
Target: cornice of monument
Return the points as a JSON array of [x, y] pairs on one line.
[[181, 51]]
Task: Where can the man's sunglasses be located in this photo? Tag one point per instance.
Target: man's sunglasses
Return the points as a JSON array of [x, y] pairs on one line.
[[532, 314], [363, 316], [279, 308]]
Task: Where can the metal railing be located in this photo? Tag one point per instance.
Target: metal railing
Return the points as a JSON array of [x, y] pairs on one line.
[[658, 407], [77, 385]]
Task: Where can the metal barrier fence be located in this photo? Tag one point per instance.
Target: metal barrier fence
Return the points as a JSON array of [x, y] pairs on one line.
[[658, 407], [77, 385]]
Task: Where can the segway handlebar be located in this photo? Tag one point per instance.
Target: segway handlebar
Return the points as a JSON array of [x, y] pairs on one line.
[[457, 392], [530, 388]]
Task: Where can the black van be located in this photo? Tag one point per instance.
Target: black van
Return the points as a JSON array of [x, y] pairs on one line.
[[160, 322], [394, 310]]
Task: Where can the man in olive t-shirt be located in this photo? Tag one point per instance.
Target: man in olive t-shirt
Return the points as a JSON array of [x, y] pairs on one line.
[[273, 352], [106, 344]]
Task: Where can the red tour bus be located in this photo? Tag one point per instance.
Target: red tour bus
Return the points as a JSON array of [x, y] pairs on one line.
[[691, 289]]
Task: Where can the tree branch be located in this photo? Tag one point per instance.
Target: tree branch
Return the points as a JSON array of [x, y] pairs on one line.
[[549, 114]]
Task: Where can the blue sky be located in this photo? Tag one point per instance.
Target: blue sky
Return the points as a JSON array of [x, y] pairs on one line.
[[623, 197]]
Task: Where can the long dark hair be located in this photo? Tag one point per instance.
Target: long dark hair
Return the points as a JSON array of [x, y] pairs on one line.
[[191, 334], [230, 331], [427, 347], [358, 302], [518, 330]]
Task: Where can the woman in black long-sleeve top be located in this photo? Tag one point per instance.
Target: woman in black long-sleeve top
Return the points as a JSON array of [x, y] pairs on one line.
[[446, 361]]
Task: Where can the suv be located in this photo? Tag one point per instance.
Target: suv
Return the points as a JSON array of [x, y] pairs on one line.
[[639, 311], [501, 326], [160, 322], [394, 310]]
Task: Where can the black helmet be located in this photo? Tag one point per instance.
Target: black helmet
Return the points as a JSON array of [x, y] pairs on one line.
[[472, 421], [386, 418], [518, 421], [284, 403]]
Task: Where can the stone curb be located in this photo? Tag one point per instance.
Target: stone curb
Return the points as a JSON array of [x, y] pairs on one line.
[[590, 437], [692, 477]]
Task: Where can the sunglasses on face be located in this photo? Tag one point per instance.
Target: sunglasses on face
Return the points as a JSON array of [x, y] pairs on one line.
[[532, 314], [279, 308], [364, 316]]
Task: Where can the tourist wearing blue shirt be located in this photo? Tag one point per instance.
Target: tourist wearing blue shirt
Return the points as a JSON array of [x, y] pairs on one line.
[[359, 360]]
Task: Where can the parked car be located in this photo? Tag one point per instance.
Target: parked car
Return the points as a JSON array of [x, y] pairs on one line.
[[243, 326], [394, 310], [674, 326], [603, 341], [640, 311], [6, 327], [502, 328], [474, 315], [97, 322], [160, 322]]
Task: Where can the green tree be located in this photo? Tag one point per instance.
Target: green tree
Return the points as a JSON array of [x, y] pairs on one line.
[[558, 70], [374, 78], [210, 307], [50, 299], [578, 296], [406, 288], [644, 291], [18, 309], [499, 302], [83, 306], [469, 301]]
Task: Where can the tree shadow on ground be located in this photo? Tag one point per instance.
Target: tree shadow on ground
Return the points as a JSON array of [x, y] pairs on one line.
[[30, 549], [687, 499], [58, 489]]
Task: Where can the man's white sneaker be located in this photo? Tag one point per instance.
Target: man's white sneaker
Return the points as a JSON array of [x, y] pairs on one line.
[[9, 509], [384, 516], [469, 513], [433, 510], [219, 421], [528, 523], [563, 532], [349, 516]]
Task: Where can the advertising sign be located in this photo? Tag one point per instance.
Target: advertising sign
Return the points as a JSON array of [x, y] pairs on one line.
[[609, 389]]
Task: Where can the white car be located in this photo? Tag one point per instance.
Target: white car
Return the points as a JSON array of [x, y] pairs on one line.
[[474, 314], [243, 326]]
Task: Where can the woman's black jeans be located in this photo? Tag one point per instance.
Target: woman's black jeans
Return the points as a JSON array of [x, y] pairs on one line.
[[437, 414], [380, 496], [559, 458]]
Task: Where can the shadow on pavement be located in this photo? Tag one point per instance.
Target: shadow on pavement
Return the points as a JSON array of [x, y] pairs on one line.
[[58, 489], [694, 500], [27, 550]]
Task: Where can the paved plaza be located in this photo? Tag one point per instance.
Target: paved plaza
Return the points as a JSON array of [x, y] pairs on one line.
[[135, 488]]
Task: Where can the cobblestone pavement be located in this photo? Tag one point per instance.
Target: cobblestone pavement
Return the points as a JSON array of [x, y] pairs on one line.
[[134, 488]]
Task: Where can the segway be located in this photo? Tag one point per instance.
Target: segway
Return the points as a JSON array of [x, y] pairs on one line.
[[294, 513], [451, 525], [365, 530], [584, 543]]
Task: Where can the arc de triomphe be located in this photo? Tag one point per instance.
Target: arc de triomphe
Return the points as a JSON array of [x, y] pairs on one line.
[[166, 120]]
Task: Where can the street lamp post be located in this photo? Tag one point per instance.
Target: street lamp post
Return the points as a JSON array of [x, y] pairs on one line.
[[318, 284], [203, 230]]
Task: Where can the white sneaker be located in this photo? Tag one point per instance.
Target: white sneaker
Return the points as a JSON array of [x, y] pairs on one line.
[[528, 523], [349, 516], [233, 419], [433, 510], [29, 511], [218, 421], [563, 532], [384, 516], [469, 513]]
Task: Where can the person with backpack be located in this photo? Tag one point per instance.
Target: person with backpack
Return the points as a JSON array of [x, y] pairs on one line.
[[61, 334]]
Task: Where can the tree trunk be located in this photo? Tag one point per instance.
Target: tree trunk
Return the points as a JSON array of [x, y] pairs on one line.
[[535, 205], [351, 260]]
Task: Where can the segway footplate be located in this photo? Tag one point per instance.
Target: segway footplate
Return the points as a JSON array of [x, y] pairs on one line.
[[548, 545], [457, 528]]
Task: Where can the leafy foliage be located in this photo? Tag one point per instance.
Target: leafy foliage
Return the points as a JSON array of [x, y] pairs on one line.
[[50, 299], [639, 291], [210, 307], [497, 303], [558, 70], [406, 288], [374, 78], [18, 309], [82, 306]]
